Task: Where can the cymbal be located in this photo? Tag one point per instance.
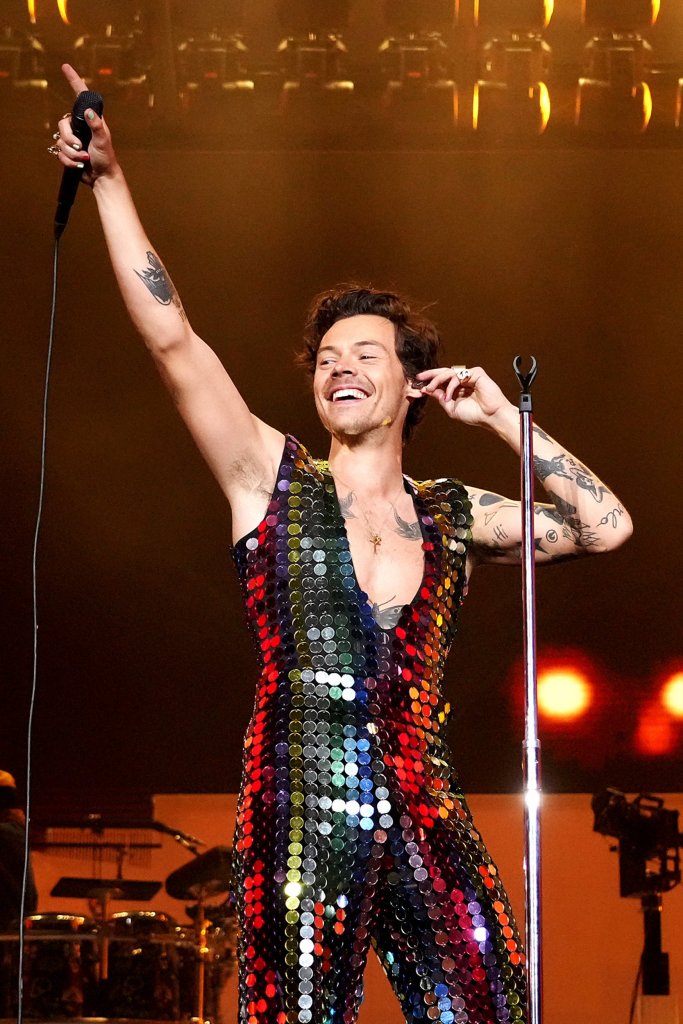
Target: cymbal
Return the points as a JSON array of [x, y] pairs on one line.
[[111, 888], [206, 875]]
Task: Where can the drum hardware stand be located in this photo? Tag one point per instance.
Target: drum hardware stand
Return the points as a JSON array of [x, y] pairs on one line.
[[103, 897], [201, 925], [207, 875], [532, 745], [103, 890]]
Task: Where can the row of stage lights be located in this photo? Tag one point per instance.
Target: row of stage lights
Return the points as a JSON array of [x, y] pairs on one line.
[[506, 74], [570, 689]]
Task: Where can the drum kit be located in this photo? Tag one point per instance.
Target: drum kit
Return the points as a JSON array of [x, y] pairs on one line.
[[139, 965]]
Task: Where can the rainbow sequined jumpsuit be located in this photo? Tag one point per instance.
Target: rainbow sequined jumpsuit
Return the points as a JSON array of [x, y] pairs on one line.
[[351, 826]]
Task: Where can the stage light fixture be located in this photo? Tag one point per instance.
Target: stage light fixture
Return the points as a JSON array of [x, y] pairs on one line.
[[614, 95], [511, 96], [420, 92], [619, 15], [649, 847], [23, 81], [111, 60], [314, 64], [21, 56], [672, 694], [315, 91], [564, 693], [519, 16], [212, 56], [212, 65]]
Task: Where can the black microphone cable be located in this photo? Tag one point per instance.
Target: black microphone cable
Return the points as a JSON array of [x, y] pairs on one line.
[[67, 194], [34, 681]]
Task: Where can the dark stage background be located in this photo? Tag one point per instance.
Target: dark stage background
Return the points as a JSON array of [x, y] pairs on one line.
[[146, 674]]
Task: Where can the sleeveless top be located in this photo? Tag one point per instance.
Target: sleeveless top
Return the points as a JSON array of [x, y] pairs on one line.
[[338, 696]]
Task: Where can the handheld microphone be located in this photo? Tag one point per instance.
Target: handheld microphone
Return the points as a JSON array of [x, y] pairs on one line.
[[72, 175]]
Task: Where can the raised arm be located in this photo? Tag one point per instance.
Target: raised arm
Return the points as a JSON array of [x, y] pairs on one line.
[[583, 516], [242, 451]]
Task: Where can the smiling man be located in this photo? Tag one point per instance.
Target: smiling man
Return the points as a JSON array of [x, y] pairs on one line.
[[352, 828]]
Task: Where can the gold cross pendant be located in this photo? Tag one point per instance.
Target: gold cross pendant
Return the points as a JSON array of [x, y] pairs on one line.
[[375, 540]]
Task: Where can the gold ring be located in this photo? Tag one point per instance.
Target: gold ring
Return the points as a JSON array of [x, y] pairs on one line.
[[54, 150], [64, 116]]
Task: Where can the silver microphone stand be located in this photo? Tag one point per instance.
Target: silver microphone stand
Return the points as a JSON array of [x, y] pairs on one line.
[[532, 745]]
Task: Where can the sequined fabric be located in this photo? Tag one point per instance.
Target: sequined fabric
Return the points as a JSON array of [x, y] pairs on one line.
[[351, 826]]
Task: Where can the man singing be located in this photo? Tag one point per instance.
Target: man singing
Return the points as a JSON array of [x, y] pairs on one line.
[[352, 828]]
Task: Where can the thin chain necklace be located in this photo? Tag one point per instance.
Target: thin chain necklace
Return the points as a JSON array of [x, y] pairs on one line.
[[374, 536]]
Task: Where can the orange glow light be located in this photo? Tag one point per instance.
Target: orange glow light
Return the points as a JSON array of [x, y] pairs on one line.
[[544, 102], [32, 11], [672, 695], [564, 693], [647, 105], [61, 4], [656, 4], [655, 733], [549, 8]]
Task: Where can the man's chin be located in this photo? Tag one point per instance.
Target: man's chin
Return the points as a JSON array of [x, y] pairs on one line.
[[353, 430]]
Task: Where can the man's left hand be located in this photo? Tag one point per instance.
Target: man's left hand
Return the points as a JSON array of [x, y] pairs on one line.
[[466, 394]]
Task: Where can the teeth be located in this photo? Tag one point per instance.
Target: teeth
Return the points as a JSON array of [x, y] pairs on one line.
[[348, 393]]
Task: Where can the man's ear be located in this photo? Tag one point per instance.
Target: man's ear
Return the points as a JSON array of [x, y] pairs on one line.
[[413, 392]]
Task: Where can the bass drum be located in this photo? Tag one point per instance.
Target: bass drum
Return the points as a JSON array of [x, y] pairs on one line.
[[60, 967], [143, 967]]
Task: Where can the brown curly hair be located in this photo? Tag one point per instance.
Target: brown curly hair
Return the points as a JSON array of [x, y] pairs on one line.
[[417, 339]]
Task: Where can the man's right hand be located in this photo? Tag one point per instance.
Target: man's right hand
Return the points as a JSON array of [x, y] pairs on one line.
[[99, 159]]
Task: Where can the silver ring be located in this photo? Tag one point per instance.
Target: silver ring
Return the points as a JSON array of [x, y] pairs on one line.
[[461, 372], [56, 136], [54, 150]]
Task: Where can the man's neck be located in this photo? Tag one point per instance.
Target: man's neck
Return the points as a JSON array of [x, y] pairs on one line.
[[371, 469]]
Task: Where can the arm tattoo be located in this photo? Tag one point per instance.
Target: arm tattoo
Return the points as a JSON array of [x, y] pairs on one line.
[[499, 533], [541, 433], [410, 531], [492, 499], [582, 534], [550, 467], [562, 506], [572, 526], [159, 284], [514, 552], [587, 483], [612, 517], [345, 506], [551, 513]]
